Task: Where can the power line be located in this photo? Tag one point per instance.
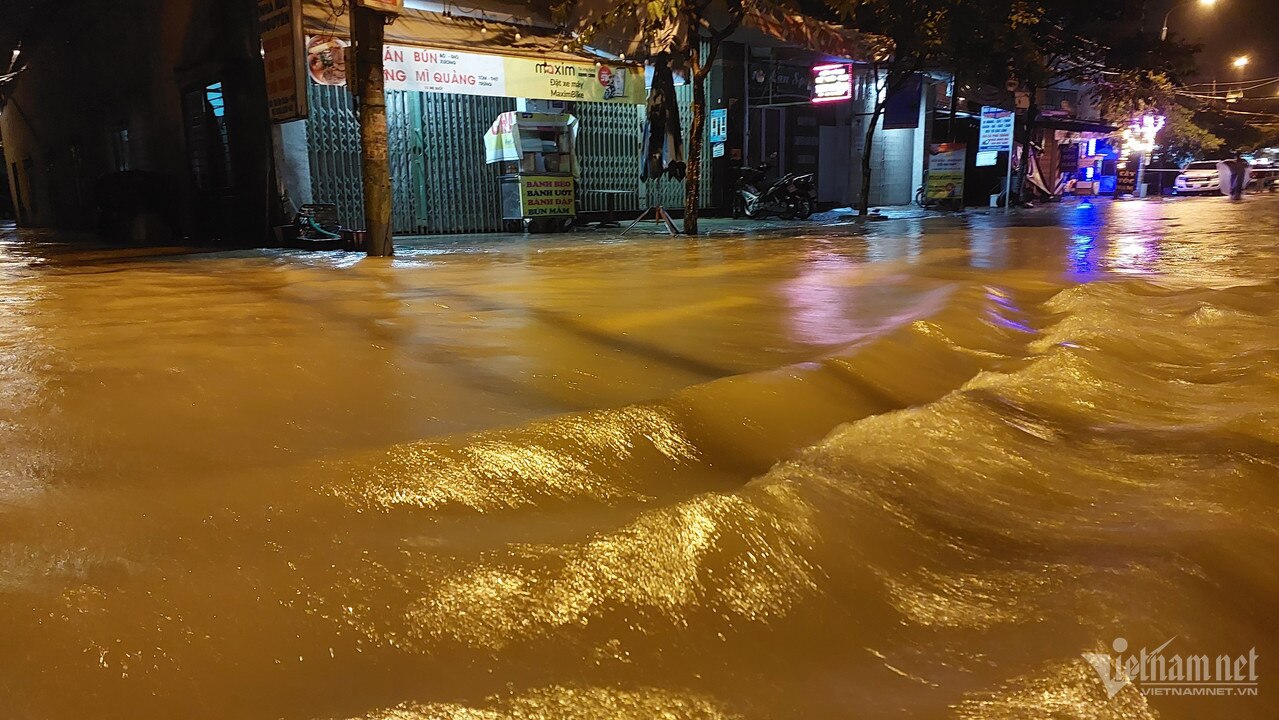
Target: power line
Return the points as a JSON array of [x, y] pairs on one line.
[[1231, 85], [1208, 97]]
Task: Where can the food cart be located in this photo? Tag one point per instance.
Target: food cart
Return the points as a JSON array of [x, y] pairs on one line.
[[539, 169]]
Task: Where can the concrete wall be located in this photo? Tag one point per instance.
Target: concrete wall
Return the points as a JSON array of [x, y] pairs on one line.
[[897, 156], [293, 162]]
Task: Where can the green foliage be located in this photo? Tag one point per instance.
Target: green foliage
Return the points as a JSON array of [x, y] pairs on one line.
[[1238, 132], [1125, 94], [1183, 140], [918, 29]]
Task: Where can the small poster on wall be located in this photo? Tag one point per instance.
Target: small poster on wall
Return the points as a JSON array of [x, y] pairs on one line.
[[717, 128]]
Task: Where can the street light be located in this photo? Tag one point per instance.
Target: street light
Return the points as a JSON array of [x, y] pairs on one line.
[[1163, 34], [1238, 64]]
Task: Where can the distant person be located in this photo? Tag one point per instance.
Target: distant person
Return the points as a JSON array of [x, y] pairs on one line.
[[1238, 170]]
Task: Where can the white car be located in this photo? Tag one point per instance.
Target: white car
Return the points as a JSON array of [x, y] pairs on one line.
[[1199, 177]]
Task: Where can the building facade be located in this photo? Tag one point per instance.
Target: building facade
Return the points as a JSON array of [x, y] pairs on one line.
[[176, 128], [171, 120]]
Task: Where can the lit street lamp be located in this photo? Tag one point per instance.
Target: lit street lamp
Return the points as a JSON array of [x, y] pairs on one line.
[[1238, 64], [1163, 34]]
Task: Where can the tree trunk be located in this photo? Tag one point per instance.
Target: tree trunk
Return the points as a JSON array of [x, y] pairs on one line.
[[697, 123], [375, 167], [696, 132], [864, 204], [881, 99], [954, 93]]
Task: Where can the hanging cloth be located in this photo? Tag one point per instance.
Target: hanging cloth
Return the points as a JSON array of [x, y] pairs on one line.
[[663, 141]]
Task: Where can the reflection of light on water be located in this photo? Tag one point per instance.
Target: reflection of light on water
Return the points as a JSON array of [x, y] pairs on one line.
[[980, 251], [568, 703], [1004, 307], [1083, 254], [562, 458], [988, 244], [22, 384], [887, 247], [820, 301], [1130, 253], [741, 557]]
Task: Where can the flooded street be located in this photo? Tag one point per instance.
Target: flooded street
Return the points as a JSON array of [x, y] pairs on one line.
[[914, 469]]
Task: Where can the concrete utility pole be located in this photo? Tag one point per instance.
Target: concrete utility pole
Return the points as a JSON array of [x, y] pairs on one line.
[[368, 26]]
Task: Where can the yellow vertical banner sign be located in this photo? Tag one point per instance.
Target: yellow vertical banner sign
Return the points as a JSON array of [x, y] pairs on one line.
[[946, 171], [280, 30]]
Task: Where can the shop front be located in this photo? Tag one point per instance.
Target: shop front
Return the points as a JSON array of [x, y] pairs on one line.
[[807, 113], [450, 83]]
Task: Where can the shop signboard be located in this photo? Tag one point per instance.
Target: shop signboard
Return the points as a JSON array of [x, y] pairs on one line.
[[547, 196], [280, 26], [1126, 182], [901, 109], [446, 71], [996, 130], [1069, 163], [575, 81], [774, 83], [946, 171], [832, 83]]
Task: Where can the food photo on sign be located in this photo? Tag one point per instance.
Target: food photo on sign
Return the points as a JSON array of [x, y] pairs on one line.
[[326, 59]]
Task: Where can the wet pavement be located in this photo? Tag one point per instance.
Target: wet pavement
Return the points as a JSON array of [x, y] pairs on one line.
[[911, 468]]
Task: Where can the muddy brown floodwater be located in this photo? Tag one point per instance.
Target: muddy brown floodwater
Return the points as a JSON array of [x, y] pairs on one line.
[[946, 468]]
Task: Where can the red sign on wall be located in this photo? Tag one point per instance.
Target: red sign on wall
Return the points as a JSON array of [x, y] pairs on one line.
[[280, 25]]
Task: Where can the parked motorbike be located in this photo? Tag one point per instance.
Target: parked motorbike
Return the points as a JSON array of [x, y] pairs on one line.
[[803, 194], [787, 197]]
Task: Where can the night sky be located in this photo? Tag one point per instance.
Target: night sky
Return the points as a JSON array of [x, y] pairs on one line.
[[1227, 30]]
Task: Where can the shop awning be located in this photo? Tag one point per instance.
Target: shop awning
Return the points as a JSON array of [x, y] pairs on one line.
[[790, 27], [435, 53], [1073, 125], [444, 32]]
